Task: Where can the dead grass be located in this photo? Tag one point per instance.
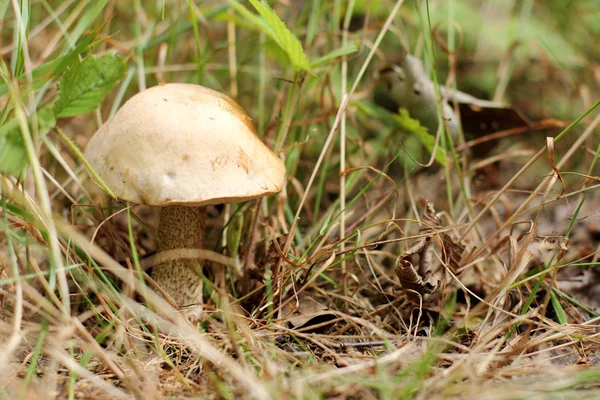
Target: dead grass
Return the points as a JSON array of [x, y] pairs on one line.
[[351, 286]]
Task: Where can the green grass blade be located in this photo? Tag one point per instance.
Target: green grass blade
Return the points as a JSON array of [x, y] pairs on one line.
[[52, 68], [349, 48], [22, 34], [85, 21]]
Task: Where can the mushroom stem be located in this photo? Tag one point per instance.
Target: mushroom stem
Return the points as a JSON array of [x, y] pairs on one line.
[[181, 227]]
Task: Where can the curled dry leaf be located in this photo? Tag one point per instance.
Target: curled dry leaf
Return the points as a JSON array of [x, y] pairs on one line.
[[254, 273], [410, 278], [421, 280], [453, 252], [306, 312], [415, 267], [269, 258]]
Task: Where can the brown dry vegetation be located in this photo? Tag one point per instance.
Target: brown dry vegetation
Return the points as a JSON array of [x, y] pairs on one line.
[[502, 303]]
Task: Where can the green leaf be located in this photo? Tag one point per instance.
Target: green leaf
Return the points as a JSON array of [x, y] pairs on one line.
[[371, 110], [85, 83], [52, 68], [45, 119], [277, 30], [413, 126], [404, 122], [13, 157], [12, 149]]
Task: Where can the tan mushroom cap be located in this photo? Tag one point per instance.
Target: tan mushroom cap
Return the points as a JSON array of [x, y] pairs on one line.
[[183, 144]]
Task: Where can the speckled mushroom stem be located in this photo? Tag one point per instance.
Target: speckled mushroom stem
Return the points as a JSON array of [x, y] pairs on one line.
[[181, 227]]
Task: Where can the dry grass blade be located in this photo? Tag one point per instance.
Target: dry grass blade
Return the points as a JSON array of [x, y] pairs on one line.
[[176, 325], [369, 275]]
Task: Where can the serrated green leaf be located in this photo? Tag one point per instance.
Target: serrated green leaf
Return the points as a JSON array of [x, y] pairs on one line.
[[369, 109], [282, 36], [45, 119], [13, 157], [413, 126], [418, 135], [86, 83]]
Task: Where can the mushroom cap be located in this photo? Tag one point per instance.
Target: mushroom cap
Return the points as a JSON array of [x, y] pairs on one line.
[[183, 144]]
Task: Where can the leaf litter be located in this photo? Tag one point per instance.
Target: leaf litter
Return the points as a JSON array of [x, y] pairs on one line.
[[430, 309]]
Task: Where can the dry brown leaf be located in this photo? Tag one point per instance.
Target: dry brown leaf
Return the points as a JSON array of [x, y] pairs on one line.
[[305, 312], [415, 267], [453, 252], [411, 281]]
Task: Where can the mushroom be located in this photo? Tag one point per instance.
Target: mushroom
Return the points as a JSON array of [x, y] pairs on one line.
[[181, 147]]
